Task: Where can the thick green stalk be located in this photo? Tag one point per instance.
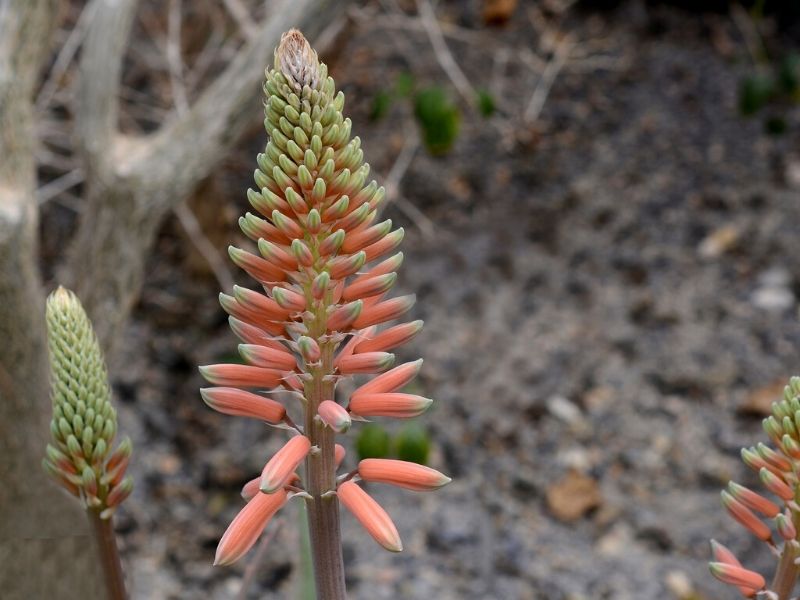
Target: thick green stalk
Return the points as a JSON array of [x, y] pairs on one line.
[[323, 512], [109, 555]]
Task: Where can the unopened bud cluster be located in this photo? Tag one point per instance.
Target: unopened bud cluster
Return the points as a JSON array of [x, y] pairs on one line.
[[324, 268], [774, 521], [84, 423]]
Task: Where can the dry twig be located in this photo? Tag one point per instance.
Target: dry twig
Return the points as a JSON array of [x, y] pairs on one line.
[[443, 54]]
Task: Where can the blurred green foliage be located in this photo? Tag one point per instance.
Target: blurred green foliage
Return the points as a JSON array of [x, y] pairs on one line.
[[486, 104], [411, 443], [771, 84], [439, 119], [373, 442]]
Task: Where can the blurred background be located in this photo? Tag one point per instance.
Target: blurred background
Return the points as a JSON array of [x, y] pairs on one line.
[[601, 201]]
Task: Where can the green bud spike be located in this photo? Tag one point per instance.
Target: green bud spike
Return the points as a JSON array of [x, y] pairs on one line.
[[81, 395]]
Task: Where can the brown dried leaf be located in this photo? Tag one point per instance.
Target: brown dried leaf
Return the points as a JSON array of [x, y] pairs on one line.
[[573, 496]]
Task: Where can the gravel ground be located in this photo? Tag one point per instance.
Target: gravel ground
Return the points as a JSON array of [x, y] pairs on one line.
[[609, 297]]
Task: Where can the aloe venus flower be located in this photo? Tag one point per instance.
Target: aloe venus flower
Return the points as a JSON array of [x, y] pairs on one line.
[[83, 427], [777, 469], [324, 267]]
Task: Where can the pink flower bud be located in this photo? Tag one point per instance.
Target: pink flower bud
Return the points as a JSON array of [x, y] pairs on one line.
[[745, 517], [738, 576], [289, 299], [250, 316], [723, 555], [389, 339], [392, 380], [334, 416], [389, 243], [348, 348], [397, 405], [256, 267], [250, 334], [268, 356], [785, 526], [344, 316], [360, 239], [241, 376], [309, 349], [259, 303], [251, 488], [373, 286], [338, 455], [774, 458], [233, 401], [332, 243], [389, 265], [286, 225], [387, 310], [411, 476], [256, 228], [283, 463], [119, 492], [776, 485], [302, 253], [343, 266], [371, 516], [245, 528], [368, 362], [753, 500], [355, 218]]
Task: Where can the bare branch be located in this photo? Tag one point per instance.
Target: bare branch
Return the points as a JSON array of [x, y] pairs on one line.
[[174, 57], [242, 17], [443, 54], [65, 56], [58, 185], [542, 89], [100, 73], [182, 150], [204, 246]]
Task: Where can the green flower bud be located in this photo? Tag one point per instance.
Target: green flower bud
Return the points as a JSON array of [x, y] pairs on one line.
[[84, 422]]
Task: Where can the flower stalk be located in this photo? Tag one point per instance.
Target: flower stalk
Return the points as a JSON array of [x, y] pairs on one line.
[[83, 428], [324, 268]]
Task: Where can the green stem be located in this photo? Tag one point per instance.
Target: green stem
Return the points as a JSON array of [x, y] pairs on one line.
[[109, 556], [323, 513]]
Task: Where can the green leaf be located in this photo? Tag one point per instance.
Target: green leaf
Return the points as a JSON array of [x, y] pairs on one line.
[[754, 92], [438, 117], [372, 442], [413, 444], [404, 86], [486, 104], [789, 74], [381, 104]]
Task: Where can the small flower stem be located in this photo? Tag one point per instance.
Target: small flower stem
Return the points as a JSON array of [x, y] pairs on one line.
[[786, 575], [323, 513], [109, 556]]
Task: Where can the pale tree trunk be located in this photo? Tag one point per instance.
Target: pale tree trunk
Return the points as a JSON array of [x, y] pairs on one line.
[[133, 183], [45, 547]]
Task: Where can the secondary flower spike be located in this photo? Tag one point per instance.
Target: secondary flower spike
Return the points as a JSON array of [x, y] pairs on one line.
[[777, 468], [84, 423], [321, 311]]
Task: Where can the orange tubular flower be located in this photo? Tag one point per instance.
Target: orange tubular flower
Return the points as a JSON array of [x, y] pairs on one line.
[[370, 514], [324, 265], [244, 530], [280, 467], [411, 476]]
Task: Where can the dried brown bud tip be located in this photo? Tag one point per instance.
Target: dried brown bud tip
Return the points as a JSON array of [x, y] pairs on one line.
[[297, 60]]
